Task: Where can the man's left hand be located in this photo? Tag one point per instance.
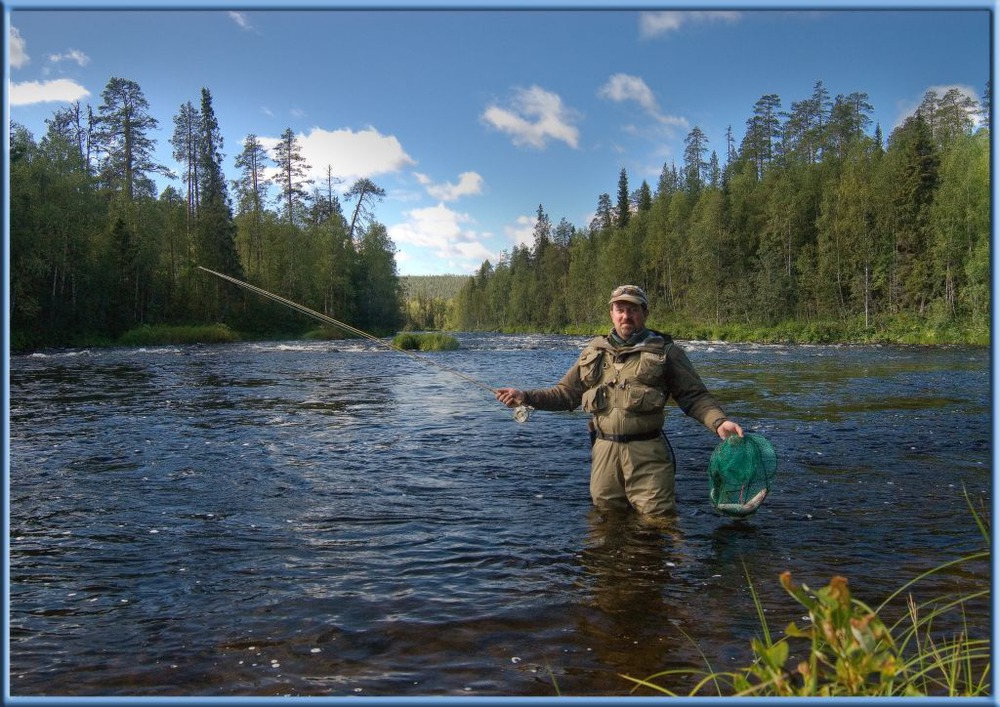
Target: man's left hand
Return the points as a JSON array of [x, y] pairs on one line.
[[728, 428]]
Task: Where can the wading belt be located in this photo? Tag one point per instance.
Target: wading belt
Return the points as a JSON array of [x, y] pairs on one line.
[[596, 434]]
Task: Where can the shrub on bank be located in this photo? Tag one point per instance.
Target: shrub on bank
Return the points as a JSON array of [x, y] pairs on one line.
[[434, 341], [164, 334]]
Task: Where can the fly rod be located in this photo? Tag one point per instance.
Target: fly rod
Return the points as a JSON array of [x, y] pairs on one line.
[[520, 414]]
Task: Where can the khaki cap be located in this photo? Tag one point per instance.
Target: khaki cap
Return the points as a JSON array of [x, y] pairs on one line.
[[629, 293]]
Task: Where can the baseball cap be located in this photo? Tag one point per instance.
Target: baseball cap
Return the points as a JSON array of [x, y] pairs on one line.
[[629, 293]]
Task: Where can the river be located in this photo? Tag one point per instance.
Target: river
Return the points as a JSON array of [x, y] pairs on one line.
[[337, 519]]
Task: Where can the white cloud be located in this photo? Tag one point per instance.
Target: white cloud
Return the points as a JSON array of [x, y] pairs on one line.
[[654, 24], [72, 55], [17, 49], [241, 19], [534, 117], [445, 233], [522, 231], [58, 91], [350, 155], [469, 184], [623, 87]]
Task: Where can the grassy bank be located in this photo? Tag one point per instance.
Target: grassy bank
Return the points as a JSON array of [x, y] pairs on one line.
[[846, 648], [159, 335], [900, 330]]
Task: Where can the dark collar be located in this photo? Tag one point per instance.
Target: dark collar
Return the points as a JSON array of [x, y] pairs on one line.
[[636, 338]]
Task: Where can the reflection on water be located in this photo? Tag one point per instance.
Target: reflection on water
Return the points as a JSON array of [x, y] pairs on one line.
[[336, 519]]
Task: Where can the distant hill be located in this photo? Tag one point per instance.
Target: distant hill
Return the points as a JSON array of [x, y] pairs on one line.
[[444, 287]]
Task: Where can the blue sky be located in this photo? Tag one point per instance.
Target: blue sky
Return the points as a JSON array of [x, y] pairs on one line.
[[469, 119]]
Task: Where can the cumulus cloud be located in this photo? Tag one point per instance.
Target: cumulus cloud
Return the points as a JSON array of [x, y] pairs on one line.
[[533, 117], [74, 55], [445, 233], [57, 91], [16, 49], [350, 155], [469, 184], [522, 231], [654, 24]]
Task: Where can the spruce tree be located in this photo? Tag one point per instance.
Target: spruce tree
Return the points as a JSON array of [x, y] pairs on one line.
[[624, 208]]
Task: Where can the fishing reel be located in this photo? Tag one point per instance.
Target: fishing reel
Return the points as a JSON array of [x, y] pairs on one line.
[[522, 413]]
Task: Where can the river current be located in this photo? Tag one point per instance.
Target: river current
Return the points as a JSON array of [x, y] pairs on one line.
[[337, 519]]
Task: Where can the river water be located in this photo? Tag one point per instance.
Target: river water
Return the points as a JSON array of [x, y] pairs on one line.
[[337, 519]]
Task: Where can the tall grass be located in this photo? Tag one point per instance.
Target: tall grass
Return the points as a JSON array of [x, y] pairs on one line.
[[851, 652]]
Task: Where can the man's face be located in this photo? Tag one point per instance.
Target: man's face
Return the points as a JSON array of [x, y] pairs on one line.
[[628, 318]]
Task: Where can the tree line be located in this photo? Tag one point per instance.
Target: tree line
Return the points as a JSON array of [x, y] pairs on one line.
[[96, 251], [812, 217]]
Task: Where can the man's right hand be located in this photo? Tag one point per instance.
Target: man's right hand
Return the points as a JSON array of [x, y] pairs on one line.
[[511, 397]]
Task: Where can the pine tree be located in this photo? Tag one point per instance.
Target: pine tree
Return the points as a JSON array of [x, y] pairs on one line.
[[187, 130], [123, 127], [367, 193], [325, 201], [763, 134], [849, 120], [291, 179], [603, 218], [251, 196]]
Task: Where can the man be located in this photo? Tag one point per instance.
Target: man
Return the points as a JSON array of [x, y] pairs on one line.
[[624, 380]]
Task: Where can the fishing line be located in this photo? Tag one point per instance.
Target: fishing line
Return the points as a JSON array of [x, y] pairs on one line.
[[521, 414]]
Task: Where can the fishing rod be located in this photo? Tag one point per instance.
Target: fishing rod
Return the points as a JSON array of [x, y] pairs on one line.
[[521, 414]]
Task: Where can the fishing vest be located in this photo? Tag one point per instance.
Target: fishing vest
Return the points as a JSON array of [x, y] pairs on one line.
[[626, 388]]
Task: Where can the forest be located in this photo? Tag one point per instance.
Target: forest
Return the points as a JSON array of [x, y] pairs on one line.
[[814, 228], [814, 220], [96, 252]]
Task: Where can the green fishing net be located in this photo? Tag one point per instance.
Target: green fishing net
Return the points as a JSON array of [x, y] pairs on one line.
[[740, 472]]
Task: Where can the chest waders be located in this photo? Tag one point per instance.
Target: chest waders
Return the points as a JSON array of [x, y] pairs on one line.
[[632, 460]]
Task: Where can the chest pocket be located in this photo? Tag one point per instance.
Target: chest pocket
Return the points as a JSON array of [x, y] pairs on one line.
[[645, 392], [651, 368], [591, 361], [595, 395]]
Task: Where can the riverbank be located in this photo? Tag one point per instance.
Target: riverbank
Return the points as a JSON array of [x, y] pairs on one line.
[[906, 331], [900, 330]]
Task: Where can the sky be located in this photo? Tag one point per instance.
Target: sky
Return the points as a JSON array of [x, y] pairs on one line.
[[471, 119]]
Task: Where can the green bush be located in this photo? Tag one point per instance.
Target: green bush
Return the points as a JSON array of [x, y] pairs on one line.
[[163, 334], [435, 341]]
